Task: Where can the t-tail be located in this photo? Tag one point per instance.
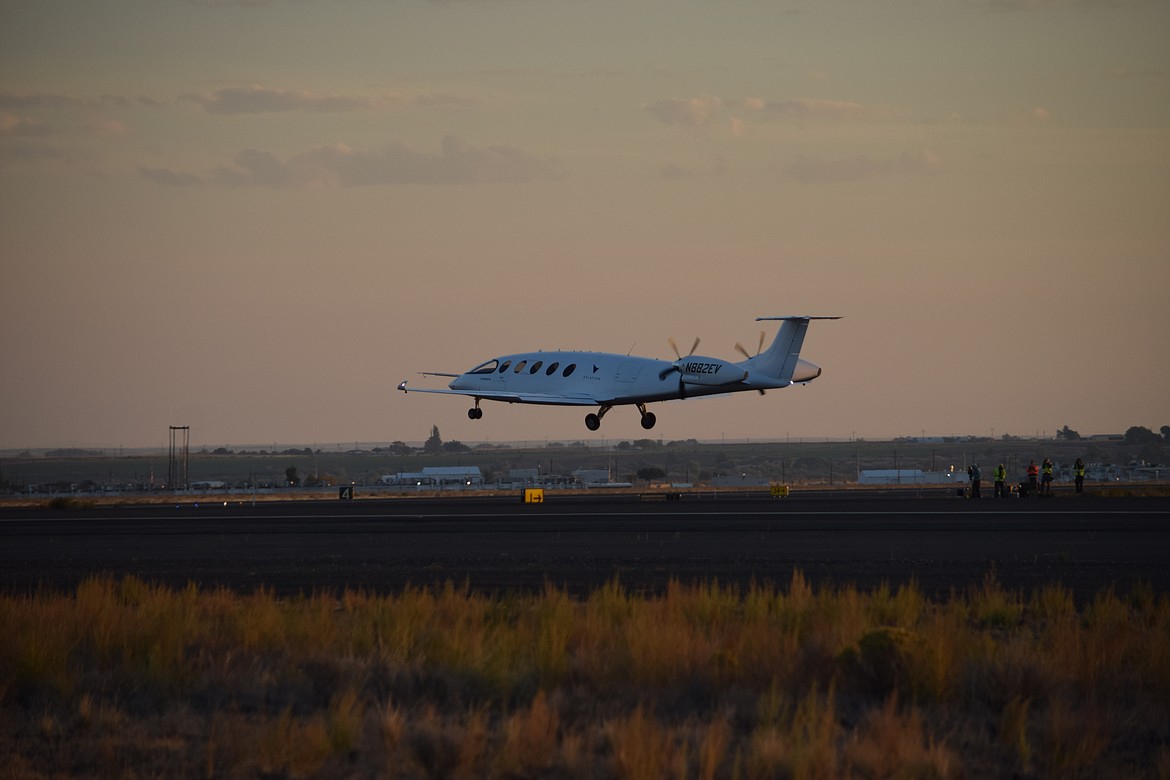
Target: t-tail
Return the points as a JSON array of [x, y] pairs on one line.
[[780, 365]]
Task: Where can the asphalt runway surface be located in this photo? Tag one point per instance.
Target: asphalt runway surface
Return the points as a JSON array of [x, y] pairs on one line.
[[578, 543]]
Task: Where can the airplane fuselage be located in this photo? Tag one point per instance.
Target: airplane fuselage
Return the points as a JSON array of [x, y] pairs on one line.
[[587, 378]]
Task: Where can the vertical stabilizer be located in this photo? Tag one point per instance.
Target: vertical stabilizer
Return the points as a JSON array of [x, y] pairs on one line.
[[779, 360]]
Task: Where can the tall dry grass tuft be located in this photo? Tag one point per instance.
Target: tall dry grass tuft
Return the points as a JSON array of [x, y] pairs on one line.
[[643, 749], [994, 607], [1072, 737], [555, 627], [290, 745], [1014, 731], [813, 734], [892, 743], [530, 740], [714, 741], [346, 714]]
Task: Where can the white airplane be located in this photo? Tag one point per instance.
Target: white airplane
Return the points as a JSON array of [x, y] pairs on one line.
[[607, 380]]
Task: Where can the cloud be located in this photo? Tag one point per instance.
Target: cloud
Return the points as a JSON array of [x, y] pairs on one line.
[[675, 172], [104, 126], [23, 126], [1027, 5], [170, 178], [810, 171], [695, 112], [31, 152], [703, 110], [458, 162], [259, 100], [811, 108], [1125, 73], [230, 3], [33, 100]]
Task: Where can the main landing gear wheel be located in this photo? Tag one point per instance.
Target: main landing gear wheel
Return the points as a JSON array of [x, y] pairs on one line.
[[593, 421], [474, 413], [648, 418]]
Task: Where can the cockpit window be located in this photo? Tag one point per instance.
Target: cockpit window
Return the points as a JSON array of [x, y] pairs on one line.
[[484, 368], [520, 366], [505, 365], [569, 369]]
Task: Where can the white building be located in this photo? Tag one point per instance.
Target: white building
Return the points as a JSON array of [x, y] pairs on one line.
[[912, 477], [436, 476]]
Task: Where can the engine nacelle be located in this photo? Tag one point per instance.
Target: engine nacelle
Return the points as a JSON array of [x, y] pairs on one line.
[[699, 370]]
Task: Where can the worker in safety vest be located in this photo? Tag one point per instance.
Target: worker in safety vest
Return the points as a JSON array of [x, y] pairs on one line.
[[1000, 474], [1046, 478], [1079, 474], [1033, 475]]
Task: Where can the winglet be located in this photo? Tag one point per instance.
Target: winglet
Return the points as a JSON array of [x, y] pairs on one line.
[[402, 386]]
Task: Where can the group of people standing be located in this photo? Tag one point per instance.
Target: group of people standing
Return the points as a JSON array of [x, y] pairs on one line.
[[1039, 478]]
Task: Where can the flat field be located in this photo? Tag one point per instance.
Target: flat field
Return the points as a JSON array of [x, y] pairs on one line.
[[796, 462], [123, 678]]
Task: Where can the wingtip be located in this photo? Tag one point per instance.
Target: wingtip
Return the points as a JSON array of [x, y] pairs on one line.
[[402, 385]]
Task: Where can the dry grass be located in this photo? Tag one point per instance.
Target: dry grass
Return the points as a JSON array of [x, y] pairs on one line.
[[125, 678]]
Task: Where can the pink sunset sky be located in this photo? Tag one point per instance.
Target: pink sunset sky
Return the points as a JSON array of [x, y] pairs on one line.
[[255, 218]]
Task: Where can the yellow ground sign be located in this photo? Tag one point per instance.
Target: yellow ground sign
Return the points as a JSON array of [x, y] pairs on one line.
[[533, 495], [779, 491]]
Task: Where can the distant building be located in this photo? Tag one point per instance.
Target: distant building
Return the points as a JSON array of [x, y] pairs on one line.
[[739, 480], [436, 476], [911, 477]]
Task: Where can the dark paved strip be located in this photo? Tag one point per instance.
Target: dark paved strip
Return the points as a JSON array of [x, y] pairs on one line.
[[579, 543]]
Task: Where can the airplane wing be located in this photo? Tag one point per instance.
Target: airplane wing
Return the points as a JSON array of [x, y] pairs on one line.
[[557, 399]]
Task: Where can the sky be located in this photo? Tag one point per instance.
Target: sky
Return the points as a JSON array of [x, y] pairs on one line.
[[256, 217]]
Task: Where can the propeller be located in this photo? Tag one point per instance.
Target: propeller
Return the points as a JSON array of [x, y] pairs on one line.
[[759, 349], [674, 367]]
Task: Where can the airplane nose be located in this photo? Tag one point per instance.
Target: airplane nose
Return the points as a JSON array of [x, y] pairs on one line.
[[805, 371]]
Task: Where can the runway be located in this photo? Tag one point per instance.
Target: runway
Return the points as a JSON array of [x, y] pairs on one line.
[[577, 543]]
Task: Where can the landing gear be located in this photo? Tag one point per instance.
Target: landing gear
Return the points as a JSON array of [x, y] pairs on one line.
[[474, 413], [593, 421]]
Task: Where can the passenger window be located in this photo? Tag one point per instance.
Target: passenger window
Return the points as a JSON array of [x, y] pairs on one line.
[[504, 367], [552, 368], [536, 366], [519, 366], [569, 369]]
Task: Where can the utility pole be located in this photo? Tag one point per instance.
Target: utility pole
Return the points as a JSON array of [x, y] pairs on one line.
[[177, 472]]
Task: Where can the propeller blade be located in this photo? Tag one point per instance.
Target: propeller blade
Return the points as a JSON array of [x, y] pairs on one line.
[[674, 346], [742, 351], [694, 347], [760, 348]]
